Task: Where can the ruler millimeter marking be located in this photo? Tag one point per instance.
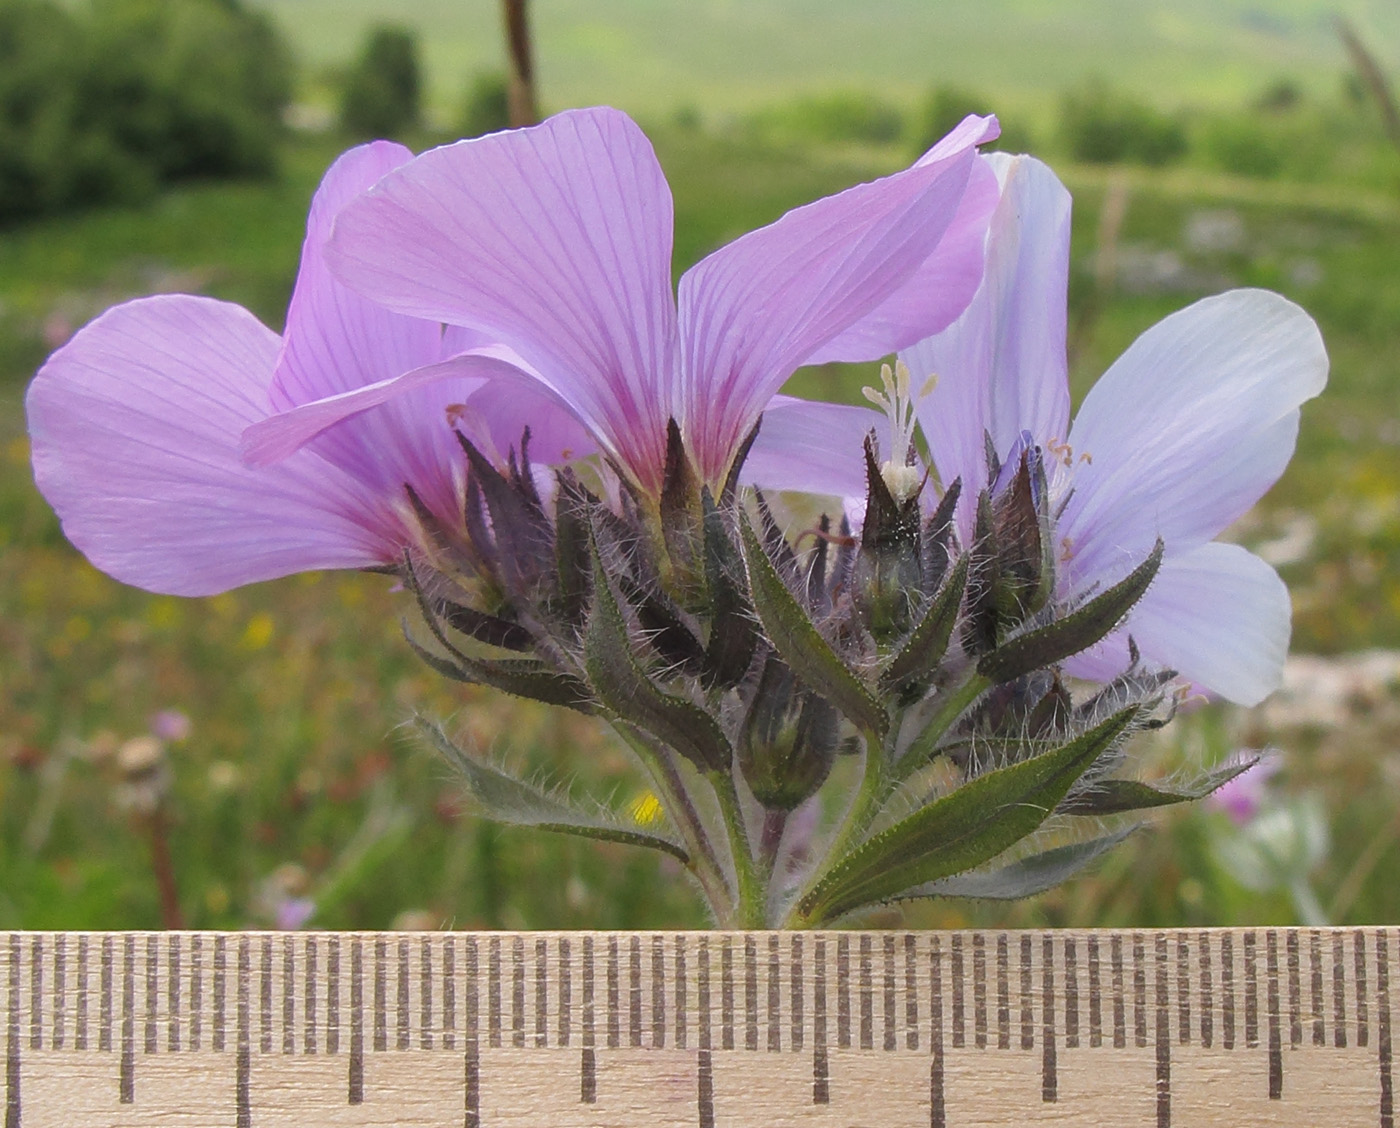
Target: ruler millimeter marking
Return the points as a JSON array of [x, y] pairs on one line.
[[1149, 1027]]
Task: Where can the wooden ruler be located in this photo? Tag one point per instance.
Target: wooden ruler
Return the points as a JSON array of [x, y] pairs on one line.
[[701, 1030]]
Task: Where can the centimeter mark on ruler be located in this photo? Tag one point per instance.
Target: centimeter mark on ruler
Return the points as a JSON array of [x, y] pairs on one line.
[[826, 996]]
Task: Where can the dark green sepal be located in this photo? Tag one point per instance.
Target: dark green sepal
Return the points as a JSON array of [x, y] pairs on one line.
[[1025, 542], [788, 741], [1114, 796], [889, 563], [802, 646], [918, 659], [776, 544], [1076, 631], [962, 830], [506, 799], [627, 691], [682, 518], [733, 633], [571, 540], [519, 526], [490, 629], [666, 632], [520, 677], [1026, 876], [981, 624], [938, 538]]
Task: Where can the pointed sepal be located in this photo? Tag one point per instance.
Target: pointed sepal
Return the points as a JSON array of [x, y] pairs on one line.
[[802, 646], [1115, 796], [1074, 632]]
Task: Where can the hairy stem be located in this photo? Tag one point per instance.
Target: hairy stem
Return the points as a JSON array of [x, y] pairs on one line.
[[750, 912], [954, 704], [873, 790], [680, 809]]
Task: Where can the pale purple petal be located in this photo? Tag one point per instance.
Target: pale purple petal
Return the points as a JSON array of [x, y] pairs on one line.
[[557, 241], [1000, 369], [936, 293], [335, 340], [813, 446], [440, 394], [135, 426], [1217, 615], [755, 310], [1189, 428]]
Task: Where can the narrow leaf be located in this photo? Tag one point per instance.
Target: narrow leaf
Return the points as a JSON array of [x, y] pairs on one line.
[[963, 829], [627, 690], [1114, 796], [1074, 632], [802, 646], [505, 799], [1025, 877]]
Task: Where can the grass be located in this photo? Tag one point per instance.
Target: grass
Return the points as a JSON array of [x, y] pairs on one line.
[[731, 56], [299, 778]]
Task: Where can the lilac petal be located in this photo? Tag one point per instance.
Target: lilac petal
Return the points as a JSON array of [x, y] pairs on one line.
[[755, 310], [135, 426], [439, 392], [1189, 427], [1000, 369], [557, 241], [336, 340], [813, 447], [1218, 615], [936, 293]]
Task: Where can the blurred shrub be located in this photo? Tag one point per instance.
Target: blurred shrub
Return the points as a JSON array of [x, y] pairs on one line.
[[1243, 145], [105, 108], [945, 106], [384, 89], [1101, 125], [844, 116], [486, 108]]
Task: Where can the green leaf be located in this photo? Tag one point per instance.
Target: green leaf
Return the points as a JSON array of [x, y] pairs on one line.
[[1074, 632], [506, 799], [627, 690], [961, 830], [1024, 877], [802, 647], [1114, 796], [928, 642]]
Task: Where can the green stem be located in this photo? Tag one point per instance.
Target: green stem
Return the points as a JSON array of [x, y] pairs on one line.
[[751, 911], [955, 702], [856, 819], [675, 798]]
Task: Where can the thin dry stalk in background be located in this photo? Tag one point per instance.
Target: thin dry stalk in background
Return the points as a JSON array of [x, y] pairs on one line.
[[521, 103], [1372, 76]]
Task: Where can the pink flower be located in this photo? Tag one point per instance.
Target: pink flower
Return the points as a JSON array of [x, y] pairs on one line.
[[1183, 433], [137, 425], [556, 241]]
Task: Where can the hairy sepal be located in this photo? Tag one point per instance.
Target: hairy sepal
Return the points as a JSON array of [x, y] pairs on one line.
[[926, 645], [1074, 632], [627, 690], [800, 643]]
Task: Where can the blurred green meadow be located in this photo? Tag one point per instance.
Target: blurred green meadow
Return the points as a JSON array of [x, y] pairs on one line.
[[298, 787]]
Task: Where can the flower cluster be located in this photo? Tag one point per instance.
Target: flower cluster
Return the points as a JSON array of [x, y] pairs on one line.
[[487, 387]]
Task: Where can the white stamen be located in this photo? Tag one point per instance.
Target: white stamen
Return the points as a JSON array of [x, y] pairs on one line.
[[901, 479]]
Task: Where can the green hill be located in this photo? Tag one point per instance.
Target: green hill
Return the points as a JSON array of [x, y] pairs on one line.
[[650, 56]]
